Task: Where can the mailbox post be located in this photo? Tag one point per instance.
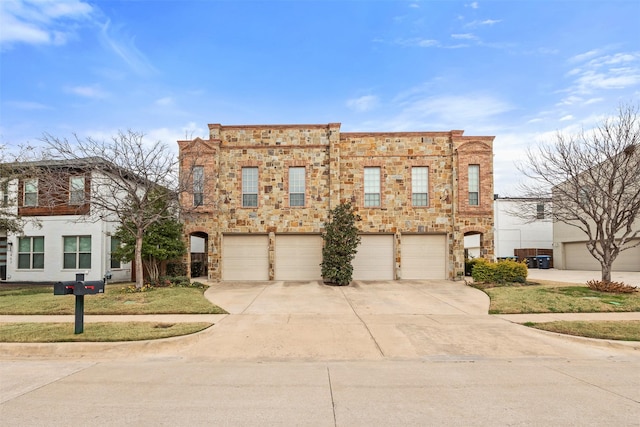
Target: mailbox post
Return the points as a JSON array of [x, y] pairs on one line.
[[79, 288]]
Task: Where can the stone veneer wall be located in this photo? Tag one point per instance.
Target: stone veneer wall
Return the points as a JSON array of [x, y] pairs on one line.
[[335, 165]]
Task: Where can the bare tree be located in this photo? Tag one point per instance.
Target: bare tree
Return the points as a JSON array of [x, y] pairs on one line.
[[594, 179], [130, 179]]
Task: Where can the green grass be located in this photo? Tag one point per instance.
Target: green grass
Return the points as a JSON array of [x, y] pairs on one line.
[[558, 298], [96, 332], [27, 300], [626, 330]]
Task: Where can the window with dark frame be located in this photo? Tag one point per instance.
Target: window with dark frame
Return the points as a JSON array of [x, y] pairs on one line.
[[250, 187], [76, 190], [31, 253], [5, 193], [198, 185], [30, 192], [540, 211], [474, 185], [77, 252], [372, 186], [115, 244], [296, 186], [420, 186]]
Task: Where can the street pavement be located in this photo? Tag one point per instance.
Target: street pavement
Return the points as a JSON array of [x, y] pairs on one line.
[[302, 353]]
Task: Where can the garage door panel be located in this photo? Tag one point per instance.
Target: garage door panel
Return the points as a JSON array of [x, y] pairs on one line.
[[578, 257], [298, 257], [375, 258], [424, 256], [245, 258]]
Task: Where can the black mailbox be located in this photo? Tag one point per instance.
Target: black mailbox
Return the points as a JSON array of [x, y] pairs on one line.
[[79, 288], [89, 287], [64, 288]]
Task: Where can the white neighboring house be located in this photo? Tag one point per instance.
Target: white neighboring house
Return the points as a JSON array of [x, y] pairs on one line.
[[512, 232], [59, 238]]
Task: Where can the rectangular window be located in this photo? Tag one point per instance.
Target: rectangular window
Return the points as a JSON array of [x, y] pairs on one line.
[[420, 186], [198, 186], [115, 244], [296, 186], [474, 185], [540, 211], [30, 252], [250, 187], [76, 190], [5, 193], [372, 186], [30, 192], [77, 252]]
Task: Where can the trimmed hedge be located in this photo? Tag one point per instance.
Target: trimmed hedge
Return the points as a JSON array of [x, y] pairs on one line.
[[499, 272]]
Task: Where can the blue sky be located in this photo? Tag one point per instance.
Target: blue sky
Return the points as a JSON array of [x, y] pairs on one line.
[[519, 70]]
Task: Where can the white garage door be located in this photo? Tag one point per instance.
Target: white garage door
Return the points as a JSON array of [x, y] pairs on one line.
[[245, 257], [577, 257], [424, 257], [298, 257], [374, 260]]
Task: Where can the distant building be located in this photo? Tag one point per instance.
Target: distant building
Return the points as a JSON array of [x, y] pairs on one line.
[[262, 194], [511, 232]]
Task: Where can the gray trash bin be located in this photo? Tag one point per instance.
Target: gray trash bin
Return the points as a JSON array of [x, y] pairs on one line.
[[544, 261]]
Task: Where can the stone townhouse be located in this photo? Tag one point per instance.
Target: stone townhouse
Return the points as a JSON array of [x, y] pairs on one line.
[[260, 195]]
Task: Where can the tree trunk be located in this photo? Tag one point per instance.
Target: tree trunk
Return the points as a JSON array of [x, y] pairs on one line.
[[139, 265], [606, 271]]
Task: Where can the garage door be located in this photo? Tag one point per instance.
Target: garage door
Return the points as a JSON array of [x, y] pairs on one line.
[[298, 257], [424, 257], [374, 260], [245, 257], [577, 257]]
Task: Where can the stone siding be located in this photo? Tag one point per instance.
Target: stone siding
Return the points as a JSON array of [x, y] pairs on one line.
[[334, 167]]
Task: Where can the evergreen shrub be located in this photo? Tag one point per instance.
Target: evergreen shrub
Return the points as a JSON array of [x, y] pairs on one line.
[[506, 271]]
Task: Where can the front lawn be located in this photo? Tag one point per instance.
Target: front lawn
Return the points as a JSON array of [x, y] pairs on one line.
[[98, 332], [554, 297], [27, 300], [626, 330]]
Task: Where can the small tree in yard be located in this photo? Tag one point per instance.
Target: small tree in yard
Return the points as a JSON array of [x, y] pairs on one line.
[[162, 241], [594, 178], [341, 242]]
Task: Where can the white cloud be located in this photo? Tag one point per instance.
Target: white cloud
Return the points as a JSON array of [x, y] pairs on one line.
[[164, 102], [93, 92], [466, 36], [566, 118], [47, 22], [474, 5], [125, 48], [594, 72], [489, 22], [363, 103]]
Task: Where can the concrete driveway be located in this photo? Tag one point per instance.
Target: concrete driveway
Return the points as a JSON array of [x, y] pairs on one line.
[[368, 321]]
